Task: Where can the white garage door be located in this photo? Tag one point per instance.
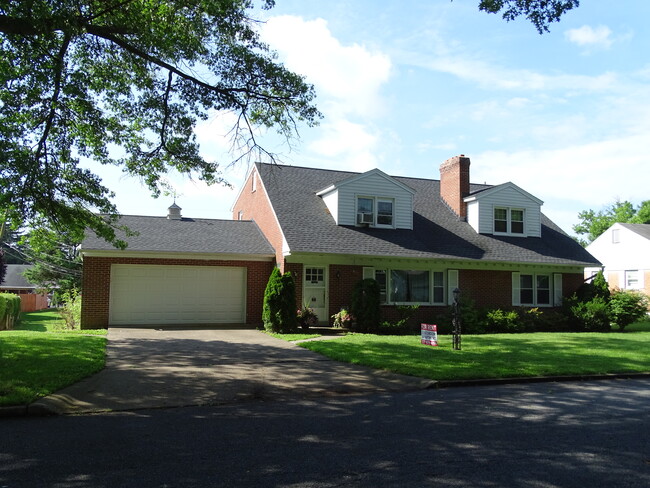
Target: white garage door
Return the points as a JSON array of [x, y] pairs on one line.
[[149, 295]]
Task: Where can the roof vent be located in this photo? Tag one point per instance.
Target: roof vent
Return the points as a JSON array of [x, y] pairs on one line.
[[174, 212]]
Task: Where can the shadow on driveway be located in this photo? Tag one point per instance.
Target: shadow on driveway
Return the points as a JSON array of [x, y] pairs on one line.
[[155, 368]]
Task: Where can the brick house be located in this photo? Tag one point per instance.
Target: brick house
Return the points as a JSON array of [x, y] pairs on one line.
[[419, 238]]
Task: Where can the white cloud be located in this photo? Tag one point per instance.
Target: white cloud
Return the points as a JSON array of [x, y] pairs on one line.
[[587, 36], [349, 76], [347, 146]]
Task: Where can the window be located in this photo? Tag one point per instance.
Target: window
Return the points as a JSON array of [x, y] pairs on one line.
[[314, 276], [632, 279], [535, 289], [254, 183], [615, 236], [384, 216], [385, 212], [508, 221], [409, 286], [240, 215]]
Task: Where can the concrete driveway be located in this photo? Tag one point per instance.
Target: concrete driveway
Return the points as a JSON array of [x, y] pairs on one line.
[[154, 368]]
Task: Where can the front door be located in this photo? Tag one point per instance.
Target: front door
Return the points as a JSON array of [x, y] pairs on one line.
[[315, 291]]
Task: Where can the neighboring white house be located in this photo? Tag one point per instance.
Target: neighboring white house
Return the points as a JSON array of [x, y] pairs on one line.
[[624, 250]]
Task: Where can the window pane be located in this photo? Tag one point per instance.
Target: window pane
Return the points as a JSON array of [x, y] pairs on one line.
[[409, 286], [438, 287], [365, 205], [526, 281], [384, 212], [500, 214], [517, 227], [517, 215], [500, 220], [526, 297], [543, 297], [543, 281], [517, 221]]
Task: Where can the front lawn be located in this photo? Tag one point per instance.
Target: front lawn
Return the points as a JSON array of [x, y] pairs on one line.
[[39, 358], [495, 355]]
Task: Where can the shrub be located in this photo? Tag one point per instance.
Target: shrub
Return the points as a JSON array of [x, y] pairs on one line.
[[472, 319], [343, 318], [404, 325], [279, 309], [365, 305], [536, 320], [71, 309], [627, 307], [9, 307], [499, 321], [3, 306], [589, 316]]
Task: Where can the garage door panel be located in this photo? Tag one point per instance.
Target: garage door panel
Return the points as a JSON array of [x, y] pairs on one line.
[[147, 294]]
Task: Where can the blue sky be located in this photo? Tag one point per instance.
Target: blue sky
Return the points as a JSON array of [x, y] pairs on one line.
[[405, 85]]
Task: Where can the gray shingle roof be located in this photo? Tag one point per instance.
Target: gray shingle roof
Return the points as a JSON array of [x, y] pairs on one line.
[[642, 229], [437, 233], [159, 234], [14, 277]]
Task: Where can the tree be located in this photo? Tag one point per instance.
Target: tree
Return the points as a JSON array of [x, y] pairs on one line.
[[54, 254], [279, 309], [594, 224], [124, 82], [540, 12]]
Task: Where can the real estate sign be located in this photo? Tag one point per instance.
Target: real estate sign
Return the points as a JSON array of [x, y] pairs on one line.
[[429, 334]]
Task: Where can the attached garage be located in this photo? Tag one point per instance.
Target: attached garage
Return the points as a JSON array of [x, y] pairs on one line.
[[176, 271], [149, 295]]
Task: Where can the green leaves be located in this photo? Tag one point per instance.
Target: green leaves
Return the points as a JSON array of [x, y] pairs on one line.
[[82, 79], [541, 13], [592, 224]]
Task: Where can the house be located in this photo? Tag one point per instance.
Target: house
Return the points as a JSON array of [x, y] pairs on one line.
[[419, 238], [15, 282], [624, 251]]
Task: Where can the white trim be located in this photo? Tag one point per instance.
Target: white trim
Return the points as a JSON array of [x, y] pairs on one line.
[[516, 289], [359, 176], [452, 283], [557, 289], [499, 188]]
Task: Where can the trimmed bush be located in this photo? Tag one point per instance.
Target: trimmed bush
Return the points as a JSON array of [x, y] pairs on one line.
[[9, 309], [503, 321], [279, 310], [364, 305], [627, 306], [3, 306], [589, 316]]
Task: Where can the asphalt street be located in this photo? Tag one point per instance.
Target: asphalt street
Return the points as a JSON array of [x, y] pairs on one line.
[[546, 435]]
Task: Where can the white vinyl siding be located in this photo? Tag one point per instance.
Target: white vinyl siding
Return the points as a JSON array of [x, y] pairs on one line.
[[481, 211], [158, 295], [332, 201], [379, 187]]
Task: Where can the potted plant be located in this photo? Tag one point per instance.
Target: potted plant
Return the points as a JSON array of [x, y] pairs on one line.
[[342, 319], [306, 317]]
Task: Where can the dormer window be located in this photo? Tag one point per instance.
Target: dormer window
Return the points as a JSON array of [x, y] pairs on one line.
[[508, 221], [378, 212]]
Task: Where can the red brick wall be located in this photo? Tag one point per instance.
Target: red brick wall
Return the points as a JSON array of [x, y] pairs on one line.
[[255, 205], [454, 183], [341, 282], [97, 274], [486, 288]]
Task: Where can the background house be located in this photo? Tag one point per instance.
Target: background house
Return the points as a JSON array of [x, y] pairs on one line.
[[15, 282], [624, 251]]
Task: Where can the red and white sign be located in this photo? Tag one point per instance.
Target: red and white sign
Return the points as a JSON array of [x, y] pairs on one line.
[[429, 334]]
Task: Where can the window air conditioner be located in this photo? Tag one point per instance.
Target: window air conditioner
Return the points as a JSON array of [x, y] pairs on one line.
[[365, 218]]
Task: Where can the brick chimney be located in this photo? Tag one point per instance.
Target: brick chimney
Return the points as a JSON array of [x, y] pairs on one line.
[[454, 184]]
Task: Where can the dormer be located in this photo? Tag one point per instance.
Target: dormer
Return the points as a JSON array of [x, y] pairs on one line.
[[505, 210], [370, 199]]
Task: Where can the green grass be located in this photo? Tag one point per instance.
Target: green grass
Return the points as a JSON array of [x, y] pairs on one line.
[[39, 358], [495, 355], [293, 337]]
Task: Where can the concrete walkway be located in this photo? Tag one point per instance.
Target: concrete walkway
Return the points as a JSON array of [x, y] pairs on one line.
[[154, 368]]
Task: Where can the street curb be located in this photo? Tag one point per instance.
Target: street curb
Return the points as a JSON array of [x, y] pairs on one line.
[[40, 409], [539, 379]]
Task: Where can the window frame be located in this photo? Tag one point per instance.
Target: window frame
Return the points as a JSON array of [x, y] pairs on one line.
[[509, 221], [436, 286], [534, 289], [375, 201]]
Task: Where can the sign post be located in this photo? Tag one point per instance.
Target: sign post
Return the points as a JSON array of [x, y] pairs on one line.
[[429, 334]]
